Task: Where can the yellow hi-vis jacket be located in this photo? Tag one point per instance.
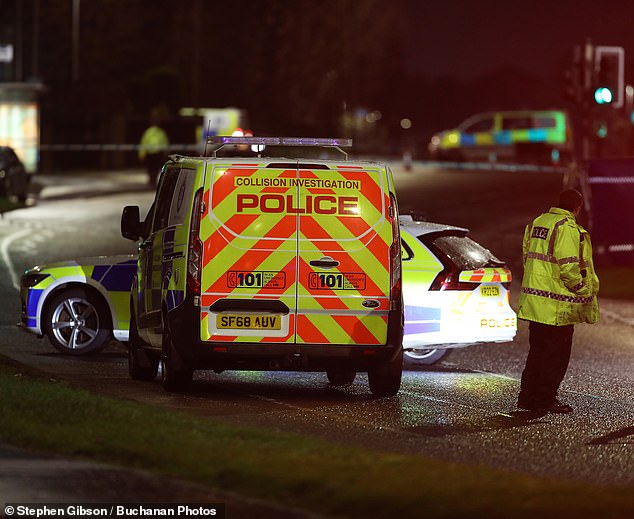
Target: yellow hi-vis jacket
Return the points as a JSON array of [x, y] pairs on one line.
[[153, 140], [560, 285]]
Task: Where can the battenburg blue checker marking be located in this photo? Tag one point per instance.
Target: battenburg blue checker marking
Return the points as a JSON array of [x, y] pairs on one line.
[[31, 304], [116, 278], [467, 139], [421, 313], [412, 328], [174, 298]]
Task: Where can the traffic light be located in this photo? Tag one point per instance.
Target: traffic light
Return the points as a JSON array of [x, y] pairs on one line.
[[573, 77], [608, 76], [603, 95]]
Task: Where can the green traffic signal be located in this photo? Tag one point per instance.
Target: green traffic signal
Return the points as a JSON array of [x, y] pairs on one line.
[[603, 95]]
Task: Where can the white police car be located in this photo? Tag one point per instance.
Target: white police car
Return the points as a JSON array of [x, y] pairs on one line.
[[456, 292], [79, 305]]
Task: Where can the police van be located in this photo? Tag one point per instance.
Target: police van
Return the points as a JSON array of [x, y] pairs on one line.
[[268, 260], [526, 135]]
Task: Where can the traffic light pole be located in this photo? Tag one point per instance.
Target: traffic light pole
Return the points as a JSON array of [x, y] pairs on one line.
[[586, 86]]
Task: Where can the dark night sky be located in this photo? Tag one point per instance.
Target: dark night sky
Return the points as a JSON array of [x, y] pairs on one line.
[[468, 38], [307, 58]]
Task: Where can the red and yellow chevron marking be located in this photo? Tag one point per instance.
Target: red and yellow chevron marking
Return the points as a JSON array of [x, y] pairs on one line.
[[487, 275], [275, 222], [360, 246]]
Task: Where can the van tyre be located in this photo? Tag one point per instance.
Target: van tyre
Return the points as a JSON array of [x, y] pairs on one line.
[[176, 378], [385, 380], [341, 377], [142, 365]]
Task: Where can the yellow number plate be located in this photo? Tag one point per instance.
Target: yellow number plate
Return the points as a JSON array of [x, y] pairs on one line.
[[248, 322], [489, 291]]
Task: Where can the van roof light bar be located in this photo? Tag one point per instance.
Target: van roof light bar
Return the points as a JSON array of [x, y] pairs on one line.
[[263, 141], [278, 141], [304, 141]]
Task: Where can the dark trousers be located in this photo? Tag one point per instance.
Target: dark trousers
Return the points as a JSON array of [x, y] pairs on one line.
[[153, 164], [546, 365]]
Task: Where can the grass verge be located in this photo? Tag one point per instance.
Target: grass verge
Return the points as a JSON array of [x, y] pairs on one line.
[[320, 476]]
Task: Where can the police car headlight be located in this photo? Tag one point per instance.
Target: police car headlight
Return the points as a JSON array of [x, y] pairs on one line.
[[30, 280]]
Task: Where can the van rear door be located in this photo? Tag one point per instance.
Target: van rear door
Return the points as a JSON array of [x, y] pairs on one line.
[[344, 267], [249, 236], [296, 253]]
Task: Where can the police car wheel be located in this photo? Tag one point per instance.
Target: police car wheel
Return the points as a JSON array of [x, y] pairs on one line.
[[77, 322], [341, 377], [175, 379], [142, 365], [425, 357]]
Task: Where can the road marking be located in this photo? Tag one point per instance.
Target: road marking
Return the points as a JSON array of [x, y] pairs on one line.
[[4, 250]]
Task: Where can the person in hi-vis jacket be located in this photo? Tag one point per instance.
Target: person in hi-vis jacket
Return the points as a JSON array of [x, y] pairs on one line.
[[559, 290]]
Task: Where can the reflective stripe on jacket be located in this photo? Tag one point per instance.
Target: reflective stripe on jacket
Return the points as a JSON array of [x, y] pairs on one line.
[[560, 285]]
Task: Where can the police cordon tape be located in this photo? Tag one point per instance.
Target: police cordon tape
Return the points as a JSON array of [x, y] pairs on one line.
[[611, 180], [496, 166], [113, 147], [488, 166]]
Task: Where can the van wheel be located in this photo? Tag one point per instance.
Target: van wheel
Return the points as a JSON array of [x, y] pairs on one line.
[[341, 377], [175, 378], [142, 365], [386, 380]]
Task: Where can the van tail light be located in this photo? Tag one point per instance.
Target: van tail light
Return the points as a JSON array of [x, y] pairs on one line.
[[195, 252], [449, 279], [395, 256]]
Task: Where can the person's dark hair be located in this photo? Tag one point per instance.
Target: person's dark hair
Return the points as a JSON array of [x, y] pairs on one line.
[[570, 200]]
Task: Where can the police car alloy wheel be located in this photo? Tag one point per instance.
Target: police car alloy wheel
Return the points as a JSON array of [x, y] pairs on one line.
[[425, 357], [76, 322]]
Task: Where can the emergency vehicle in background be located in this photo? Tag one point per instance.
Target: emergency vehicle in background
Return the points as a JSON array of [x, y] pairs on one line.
[[279, 259], [533, 135]]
